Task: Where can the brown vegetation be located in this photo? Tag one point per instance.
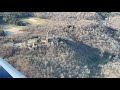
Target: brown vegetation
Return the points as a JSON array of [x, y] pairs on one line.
[[70, 49]]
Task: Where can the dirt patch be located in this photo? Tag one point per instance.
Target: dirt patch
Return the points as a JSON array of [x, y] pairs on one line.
[[12, 29], [35, 21]]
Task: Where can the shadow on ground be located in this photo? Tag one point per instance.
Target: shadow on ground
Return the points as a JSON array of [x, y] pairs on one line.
[[92, 57]]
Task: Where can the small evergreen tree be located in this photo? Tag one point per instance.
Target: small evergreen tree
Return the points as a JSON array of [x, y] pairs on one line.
[[2, 33]]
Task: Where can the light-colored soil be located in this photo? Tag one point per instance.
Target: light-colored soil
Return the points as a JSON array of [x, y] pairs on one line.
[[35, 21], [15, 29]]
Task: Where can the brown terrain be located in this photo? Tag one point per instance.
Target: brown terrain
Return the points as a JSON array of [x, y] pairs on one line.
[[65, 45]]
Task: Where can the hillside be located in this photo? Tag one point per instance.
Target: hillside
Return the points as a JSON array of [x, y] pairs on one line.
[[65, 45]]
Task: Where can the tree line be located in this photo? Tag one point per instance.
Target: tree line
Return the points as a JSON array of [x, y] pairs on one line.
[[13, 17]]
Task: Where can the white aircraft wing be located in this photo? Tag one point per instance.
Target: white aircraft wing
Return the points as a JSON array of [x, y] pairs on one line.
[[9, 71]]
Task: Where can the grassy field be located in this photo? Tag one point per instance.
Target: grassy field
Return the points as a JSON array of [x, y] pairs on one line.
[[15, 29], [35, 21]]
